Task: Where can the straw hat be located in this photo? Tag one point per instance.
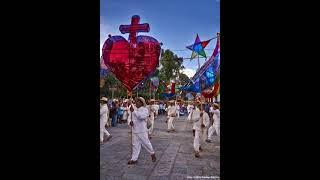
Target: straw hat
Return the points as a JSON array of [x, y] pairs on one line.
[[216, 105], [142, 100], [104, 99]]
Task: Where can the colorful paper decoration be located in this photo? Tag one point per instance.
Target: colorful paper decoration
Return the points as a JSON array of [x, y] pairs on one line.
[[131, 62], [197, 47]]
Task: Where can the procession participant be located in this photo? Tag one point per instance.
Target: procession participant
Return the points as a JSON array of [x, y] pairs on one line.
[[120, 112], [103, 119], [161, 108], [216, 125], [152, 109], [171, 115], [139, 128], [206, 122], [114, 114], [177, 104], [125, 111], [157, 109], [201, 121], [192, 107], [130, 103]]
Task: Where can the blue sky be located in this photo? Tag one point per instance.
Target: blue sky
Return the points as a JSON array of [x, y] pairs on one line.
[[175, 23]]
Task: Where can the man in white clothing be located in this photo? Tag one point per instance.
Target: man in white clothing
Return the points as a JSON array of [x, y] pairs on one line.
[[152, 110], [216, 125], [139, 131], [104, 115], [157, 110], [130, 103], [201, 121], [171, 116], [191, 108], [178, 109]]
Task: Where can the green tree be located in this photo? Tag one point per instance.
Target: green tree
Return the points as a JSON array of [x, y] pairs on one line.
[[184, 79], [171, 65]]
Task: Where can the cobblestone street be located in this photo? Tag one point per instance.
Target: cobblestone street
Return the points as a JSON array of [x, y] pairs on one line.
[[174, 151]]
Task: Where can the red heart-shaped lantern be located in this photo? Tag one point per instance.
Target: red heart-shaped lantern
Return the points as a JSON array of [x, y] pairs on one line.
[[131, 62]]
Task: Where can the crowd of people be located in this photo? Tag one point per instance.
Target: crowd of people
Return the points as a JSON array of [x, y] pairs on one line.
[[140, 116]]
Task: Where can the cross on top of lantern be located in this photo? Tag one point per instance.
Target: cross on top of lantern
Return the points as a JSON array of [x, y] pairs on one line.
[[134, 28]]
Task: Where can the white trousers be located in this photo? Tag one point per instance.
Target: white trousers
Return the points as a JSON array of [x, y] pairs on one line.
[[212, 129], [196, 141], [139, 139], [178, 114], [102, 132], [150, 130], [170, 123], [199, 136], [107, 122]]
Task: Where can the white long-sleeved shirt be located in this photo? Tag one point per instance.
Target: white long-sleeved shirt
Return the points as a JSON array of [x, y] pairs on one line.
[[125, 113], [171, 111], [216, 116], [129, 113], [152, 109], [139, 118], [189, 108], [197, 120], [104, 113]]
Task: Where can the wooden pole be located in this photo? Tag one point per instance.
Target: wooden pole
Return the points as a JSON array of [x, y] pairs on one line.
[[130, 125]]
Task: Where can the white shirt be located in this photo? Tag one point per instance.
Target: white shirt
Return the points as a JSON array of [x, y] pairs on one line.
[[139, 118], [189, 108], [216, 116], [152, 109], [195, 117], [157, 107], [104, 113], [171, 111], [177, 107], [125, 113], [129, 113]]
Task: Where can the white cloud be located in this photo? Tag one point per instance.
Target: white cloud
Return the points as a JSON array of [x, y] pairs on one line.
[[189, 72]]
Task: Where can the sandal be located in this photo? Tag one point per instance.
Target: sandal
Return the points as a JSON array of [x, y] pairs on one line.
[[154, 159], [197, 155], [132, 162]]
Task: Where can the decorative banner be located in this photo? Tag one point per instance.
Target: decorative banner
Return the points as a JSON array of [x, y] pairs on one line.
[[131, 62]]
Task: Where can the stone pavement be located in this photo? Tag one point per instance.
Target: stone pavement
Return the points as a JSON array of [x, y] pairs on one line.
[[174, 151]]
